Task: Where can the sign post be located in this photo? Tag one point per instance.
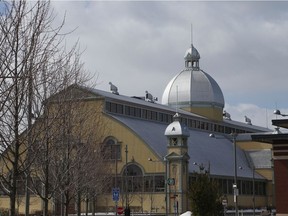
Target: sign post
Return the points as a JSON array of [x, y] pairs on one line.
[[120, 210], [115, 197], [115, 194], [224, 203]]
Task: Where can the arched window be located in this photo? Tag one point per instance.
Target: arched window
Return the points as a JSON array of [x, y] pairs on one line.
[[134, 170], [111, 149], [133, 176]]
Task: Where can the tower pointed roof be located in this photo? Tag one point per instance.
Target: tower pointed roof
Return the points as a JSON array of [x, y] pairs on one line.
[[192, 57], [176, 128]]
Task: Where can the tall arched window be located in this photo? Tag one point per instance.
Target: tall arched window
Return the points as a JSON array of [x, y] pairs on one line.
[[133, 176], [111, 149]]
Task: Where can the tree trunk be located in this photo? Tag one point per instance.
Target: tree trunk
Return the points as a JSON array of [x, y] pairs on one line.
[[79, 203], [93, 205]]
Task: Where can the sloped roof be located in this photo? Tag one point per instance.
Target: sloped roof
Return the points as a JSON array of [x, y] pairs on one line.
[[260, 158], [202, 149], [127, 99], [134, 100]]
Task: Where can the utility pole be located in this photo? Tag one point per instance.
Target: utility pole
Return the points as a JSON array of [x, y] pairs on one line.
[[126, 176], [166, 186], [234, 135], [127, 208], [116, 171]]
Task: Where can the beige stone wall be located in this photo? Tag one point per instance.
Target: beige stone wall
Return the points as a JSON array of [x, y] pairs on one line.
[[212, 113], [138, 151]]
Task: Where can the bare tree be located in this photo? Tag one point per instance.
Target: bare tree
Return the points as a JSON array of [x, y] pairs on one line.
[[35, 64], [72, 167]]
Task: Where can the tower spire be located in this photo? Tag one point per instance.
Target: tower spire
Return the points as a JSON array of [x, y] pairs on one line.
[[191, 35], [177, 99], [192, 55]]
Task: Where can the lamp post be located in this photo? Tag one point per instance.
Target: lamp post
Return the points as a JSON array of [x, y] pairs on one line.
[[166, 186], [153, 184], [116, 172], [277, 112], [232, 137], [126, 181], [166, 181], [253, 188]]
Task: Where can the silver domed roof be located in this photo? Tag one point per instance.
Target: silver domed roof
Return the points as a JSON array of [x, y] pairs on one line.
[[193, 88]]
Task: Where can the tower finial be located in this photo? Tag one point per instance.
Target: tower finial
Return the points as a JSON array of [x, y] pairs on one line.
[[176, 99], [191, 34]]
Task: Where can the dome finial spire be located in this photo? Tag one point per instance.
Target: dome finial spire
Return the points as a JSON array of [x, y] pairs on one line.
[[191, 35], [192, 55], [177, 99]]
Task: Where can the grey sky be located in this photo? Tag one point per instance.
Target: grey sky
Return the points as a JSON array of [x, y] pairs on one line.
[[140, 45]]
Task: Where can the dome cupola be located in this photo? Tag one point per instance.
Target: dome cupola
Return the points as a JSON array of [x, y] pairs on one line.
[[192, 57]]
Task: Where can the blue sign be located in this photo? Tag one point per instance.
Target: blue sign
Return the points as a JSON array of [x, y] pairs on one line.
[[115, 194]]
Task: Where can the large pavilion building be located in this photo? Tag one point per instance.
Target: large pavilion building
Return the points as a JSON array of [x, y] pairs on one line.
[[173, 140], [162, 146]]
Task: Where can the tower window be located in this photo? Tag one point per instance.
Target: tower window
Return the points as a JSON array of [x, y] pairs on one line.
[[173, 141]]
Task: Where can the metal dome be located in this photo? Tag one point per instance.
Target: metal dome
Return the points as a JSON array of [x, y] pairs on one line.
[[192, 87]]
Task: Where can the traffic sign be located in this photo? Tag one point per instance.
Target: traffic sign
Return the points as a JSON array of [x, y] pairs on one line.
[[171, 181], [120, 210], [115, 194]]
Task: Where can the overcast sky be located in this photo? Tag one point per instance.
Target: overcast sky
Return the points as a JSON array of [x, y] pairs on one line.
[[140, 45]]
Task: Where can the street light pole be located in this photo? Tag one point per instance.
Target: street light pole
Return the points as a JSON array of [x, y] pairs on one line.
[[116, 172], [126, 176], [166, 182], [253, 190], [234, 135], [166, 186], [277, 112]]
